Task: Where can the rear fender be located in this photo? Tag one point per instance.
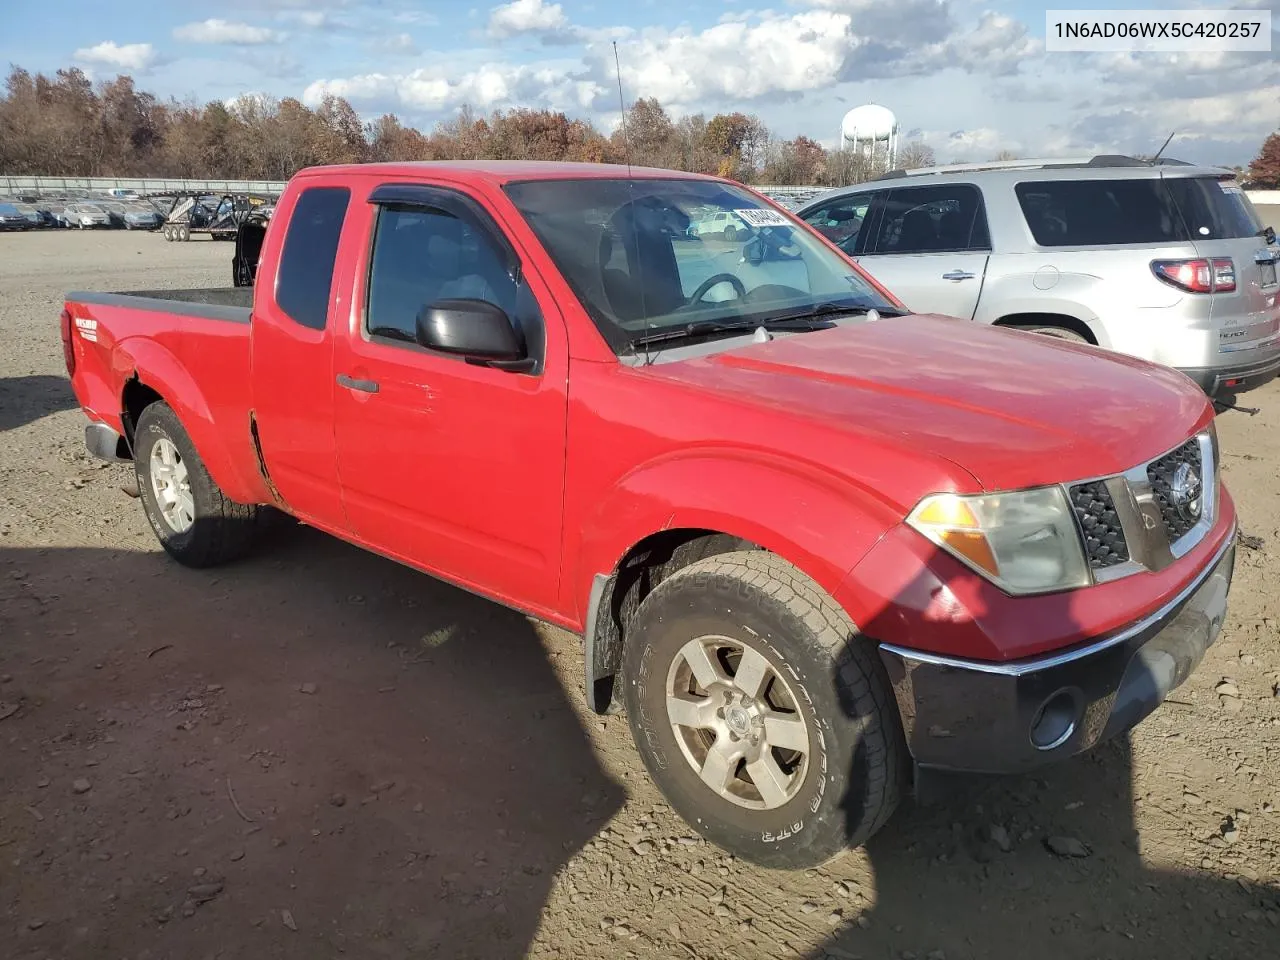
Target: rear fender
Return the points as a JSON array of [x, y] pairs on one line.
[[155, 367], [819, 522]]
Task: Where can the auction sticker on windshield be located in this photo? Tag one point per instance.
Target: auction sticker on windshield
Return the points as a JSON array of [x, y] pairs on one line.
[[763, 218]]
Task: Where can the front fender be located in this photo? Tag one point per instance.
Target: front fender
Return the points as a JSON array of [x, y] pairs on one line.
[[819, 521], [156, 367]]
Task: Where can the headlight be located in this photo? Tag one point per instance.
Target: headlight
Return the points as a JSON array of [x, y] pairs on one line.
[[1024, 541]]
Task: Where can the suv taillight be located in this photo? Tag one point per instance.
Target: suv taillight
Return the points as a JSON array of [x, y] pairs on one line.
[[1198, 276], [68, 348]]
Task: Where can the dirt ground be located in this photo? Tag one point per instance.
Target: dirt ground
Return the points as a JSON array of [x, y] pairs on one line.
[[318, 753]]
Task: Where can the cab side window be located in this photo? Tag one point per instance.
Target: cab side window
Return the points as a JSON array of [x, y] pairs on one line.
[[421, 255], [841, 220], [305, 273], [937, 219]]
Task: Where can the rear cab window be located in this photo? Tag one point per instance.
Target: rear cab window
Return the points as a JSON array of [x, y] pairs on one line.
[[305, 274]]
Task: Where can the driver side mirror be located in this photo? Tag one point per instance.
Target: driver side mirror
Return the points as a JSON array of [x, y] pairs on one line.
[[479, 331]]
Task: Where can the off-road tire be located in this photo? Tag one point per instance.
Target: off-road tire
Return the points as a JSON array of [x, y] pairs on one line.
[[223, 529], [858, 768]]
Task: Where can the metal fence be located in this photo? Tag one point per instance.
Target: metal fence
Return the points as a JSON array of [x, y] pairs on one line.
[[56, 185], [786, 195]]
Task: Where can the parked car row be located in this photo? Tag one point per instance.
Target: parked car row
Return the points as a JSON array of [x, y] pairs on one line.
[[80, 213], [1168, 262]]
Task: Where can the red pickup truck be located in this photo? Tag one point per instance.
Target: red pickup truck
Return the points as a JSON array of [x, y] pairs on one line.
[[814, 545]]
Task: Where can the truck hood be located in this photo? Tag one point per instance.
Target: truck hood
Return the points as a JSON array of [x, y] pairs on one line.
[[1014, 409]]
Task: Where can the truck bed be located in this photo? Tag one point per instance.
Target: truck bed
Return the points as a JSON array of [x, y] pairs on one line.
[[210, 303], [189, 346]]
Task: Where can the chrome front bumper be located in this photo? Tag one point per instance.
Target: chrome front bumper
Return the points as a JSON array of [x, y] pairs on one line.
[[981, 717]]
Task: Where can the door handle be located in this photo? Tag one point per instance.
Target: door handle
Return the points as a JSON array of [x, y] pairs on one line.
[[351, 383], [958, 275]]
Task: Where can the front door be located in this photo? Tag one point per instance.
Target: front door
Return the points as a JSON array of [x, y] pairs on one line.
[[456, 467], [930, 247]]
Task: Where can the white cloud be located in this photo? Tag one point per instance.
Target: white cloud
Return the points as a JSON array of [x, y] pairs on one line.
[[977, 80], [417, 18], [528, 17], [311, 19], [738, 60], [399, 44], [128, 56], [493, 86], [226, 32], [980, 143]]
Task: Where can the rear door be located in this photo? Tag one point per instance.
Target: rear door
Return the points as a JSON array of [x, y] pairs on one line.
[[929, 245], [293, 337], [1225, 227]]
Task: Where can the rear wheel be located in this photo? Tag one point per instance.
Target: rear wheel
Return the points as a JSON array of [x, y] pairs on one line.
[[184, 233], [731, 233], [767, 722], [192, 518]]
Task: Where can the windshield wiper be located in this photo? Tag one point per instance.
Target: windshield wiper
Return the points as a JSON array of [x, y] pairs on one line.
[[702, 328], [817, 317], [832, 308]]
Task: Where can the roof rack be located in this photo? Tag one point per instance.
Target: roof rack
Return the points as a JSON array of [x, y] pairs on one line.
[[1101, 160]]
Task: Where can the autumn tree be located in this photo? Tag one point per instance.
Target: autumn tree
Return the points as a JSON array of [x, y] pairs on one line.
[[66, 125], [797, 161], [915, 154], [390, 140], [1264, 171]]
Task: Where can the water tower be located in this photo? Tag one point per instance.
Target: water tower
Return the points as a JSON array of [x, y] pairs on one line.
[[867, 128]]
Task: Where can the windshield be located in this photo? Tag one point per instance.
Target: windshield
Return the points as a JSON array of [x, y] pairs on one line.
[[649, 255]]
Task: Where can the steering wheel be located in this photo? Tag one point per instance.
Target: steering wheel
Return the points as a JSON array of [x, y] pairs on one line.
[[712, 281]]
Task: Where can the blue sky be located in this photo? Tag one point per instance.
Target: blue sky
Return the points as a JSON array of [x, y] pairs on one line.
[[970, 77]]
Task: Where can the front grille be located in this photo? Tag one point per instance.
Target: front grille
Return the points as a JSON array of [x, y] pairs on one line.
[[1104, 541], [1160, 473]]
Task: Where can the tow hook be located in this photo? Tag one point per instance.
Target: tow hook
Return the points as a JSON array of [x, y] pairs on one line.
[[1223, 405]]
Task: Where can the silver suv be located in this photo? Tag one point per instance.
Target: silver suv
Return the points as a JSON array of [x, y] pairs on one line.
[[1165, 261]]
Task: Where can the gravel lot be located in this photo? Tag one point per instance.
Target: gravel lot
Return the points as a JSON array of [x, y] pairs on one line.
[[318, 753]]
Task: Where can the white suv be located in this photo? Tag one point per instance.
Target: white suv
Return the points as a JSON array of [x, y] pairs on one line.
[[1165, 261]]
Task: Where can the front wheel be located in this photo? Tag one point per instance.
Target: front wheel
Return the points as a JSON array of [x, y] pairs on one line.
[[1062, 333], [192, 518], [764, 718]]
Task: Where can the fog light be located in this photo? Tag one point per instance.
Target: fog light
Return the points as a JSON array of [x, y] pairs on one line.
[[1056, 720]]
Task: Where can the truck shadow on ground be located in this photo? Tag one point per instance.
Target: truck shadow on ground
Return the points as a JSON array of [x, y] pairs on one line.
[[24, 400], [358, 758], [1050, 864]]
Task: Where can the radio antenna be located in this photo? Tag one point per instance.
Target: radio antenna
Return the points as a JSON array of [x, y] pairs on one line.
[[1165, 144], [622, 108], [635, 230]]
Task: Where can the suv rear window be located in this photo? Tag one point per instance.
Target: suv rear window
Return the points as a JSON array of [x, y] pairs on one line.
[[1090, 213], [1213, 209], [1069, 213]]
